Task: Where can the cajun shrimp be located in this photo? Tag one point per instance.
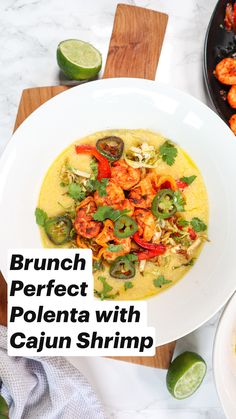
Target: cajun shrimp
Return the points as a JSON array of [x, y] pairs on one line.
[[107, 237], [124, 175], [142, 195], [232, 123], [225, 71], [126, 204], [114, 195], [126, 248], [146, 223], [231, 97], [84, 224]]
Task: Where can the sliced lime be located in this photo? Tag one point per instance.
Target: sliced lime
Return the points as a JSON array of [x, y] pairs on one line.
[[185, 374], [3, 408], [78, 59]]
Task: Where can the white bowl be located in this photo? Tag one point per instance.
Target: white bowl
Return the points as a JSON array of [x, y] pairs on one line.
[[224, 359], [132, 103]]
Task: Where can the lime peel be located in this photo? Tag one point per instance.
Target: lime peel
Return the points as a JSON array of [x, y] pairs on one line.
[[185, 375], [78, 60]]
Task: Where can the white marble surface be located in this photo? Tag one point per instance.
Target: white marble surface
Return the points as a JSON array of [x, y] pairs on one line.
[[29, 33]]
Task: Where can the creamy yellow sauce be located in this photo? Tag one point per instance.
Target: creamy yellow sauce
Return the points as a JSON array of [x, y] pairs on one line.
[[52, 195]]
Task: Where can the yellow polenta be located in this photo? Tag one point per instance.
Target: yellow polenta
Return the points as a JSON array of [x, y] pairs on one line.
[[172, 266]]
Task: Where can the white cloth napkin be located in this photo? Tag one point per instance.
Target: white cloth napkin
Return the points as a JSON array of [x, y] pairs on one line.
[[47, 387]]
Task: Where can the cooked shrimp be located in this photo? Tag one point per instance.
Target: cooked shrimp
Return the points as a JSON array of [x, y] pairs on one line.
[[126, 204], [107, 237], [142, 195], [114, 195], [146, 223], [226, 71], [124, 175], [107, 233], [141, 200], [232, 123], [84, 224], [126, 247], [231, 97]]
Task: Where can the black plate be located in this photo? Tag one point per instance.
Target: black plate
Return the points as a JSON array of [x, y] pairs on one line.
[[218, 44]]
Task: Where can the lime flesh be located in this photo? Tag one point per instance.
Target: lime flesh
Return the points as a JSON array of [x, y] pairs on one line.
[[185, 375], [78, 60]]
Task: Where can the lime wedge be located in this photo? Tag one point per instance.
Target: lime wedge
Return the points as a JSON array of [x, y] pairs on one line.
[[78, 60], [185, 375], [3, 408]]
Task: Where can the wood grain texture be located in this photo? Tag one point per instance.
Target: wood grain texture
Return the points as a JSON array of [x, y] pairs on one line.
[[136, 42], [31, 99], [142, 64]]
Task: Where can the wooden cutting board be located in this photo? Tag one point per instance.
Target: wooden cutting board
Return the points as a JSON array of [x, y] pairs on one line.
[[134, 51]]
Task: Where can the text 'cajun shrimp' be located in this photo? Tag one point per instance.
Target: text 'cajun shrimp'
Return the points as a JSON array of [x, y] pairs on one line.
[[84, 223]]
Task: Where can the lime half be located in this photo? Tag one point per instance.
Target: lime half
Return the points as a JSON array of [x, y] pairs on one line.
[[78, 60], [3, 408], [185, 375]]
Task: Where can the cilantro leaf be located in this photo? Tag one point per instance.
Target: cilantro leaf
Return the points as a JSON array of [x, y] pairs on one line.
[[179, 201], [160, 281], [115, 247], [101, 186], [104, 294], [188, 179], [76, 191], [182, 222], [98, 265], [198, 225], [131, 257], [94, 168], [168, 152], [128, 285], [40, 216], [105, 212], [93, 185]]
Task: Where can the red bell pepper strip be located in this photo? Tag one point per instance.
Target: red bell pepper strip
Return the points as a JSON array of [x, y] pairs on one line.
[[192, 233], [181, 184], [159, 249], [148, 254], [104, 170]]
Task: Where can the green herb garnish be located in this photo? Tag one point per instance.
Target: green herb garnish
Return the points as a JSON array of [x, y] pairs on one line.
[[128, 285], [76, 191], [198, 225], [40, 216], [168, 152], [179, 201], [93, 185], [101, 186], [94, 167], [104, 294], [105, 212], [160, 281], [131, 257], [98, 265], [182, 222], [188, 179], [115, 247]]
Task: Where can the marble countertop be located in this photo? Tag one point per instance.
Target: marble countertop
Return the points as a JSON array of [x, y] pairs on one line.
[[30, 31]]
